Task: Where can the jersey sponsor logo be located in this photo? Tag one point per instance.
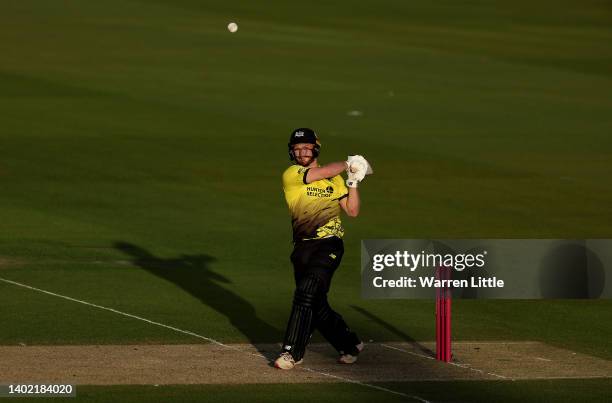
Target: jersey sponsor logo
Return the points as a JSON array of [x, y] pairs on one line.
[[318, 192]]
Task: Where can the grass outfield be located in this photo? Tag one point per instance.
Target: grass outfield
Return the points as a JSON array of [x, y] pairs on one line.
[[142, 146]]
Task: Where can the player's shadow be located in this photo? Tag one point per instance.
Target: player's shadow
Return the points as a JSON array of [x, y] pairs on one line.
[[192, 274], [402, 335]]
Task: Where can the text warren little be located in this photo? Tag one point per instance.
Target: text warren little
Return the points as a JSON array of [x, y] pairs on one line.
[[432, 282]]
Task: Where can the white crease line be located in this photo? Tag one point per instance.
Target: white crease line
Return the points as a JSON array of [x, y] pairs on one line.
[[348, 380], [565, 377], [451, 363], [497, 342], [542, 359], [468, 367], [478, 370], [116, 311], [499, 376], [406, 351]]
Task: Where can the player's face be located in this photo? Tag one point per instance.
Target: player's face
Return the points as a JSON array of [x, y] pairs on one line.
[[304, 153]]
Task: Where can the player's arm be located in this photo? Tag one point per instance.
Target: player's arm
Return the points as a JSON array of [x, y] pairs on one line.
[[326, 171], [351, 203]]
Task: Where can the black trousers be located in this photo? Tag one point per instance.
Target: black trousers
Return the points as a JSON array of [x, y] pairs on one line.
[[314, 264]]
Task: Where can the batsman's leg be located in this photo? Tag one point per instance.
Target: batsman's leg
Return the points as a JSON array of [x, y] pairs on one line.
[[308, 293], [335, 330]]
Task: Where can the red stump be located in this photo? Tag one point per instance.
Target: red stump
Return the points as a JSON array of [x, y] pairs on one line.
[[443, 316]]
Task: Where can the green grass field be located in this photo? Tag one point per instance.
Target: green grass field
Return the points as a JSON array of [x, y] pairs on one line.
[[141, 136]]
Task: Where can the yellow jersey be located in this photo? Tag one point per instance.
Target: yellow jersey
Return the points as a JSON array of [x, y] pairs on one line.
[[315, 207]]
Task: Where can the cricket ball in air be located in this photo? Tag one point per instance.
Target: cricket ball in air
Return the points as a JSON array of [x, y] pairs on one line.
[[232, 27]]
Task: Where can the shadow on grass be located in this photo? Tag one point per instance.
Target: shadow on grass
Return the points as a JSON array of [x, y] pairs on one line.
[[192, 274]]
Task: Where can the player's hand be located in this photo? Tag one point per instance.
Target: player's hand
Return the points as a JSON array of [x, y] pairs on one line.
[[352, 180], [358, 166]]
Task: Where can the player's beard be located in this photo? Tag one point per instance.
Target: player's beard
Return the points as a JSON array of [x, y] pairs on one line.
[[305, 161]]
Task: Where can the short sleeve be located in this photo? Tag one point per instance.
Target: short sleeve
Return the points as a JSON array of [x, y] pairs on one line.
[[293, 176]]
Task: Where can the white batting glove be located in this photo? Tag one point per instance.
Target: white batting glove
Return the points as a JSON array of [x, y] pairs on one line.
[[351, 159], [357, 168], [361, 160], [358, 165], [352, 180]]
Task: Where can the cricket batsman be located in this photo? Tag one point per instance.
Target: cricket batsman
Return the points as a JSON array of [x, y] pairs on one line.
[[316, 195]]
